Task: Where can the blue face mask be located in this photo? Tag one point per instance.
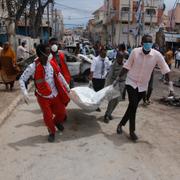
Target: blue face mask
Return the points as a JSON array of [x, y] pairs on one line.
[[147, 46]]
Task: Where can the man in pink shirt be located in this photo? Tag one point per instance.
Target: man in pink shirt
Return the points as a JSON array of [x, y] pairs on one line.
[[139, 68]]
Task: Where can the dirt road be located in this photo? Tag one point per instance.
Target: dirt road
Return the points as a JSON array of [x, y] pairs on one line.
[[90, 149]]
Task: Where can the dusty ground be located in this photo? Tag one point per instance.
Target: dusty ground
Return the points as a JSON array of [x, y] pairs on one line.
[[88, 148], [6, 97]]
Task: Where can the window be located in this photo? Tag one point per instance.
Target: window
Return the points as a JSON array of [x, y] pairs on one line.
[[125, 9], [150, 11]]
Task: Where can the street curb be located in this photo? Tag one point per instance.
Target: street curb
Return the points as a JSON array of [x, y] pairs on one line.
[[6, 113]]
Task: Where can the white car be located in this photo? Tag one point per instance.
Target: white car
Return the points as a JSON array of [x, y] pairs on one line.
[[85, 66], [79, 66]]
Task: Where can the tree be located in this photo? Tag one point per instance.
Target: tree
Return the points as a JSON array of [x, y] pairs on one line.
[[35, 9], [36, 16]]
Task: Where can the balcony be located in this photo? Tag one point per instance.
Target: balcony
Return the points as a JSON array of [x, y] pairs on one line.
[[150, 15], [124, 12]]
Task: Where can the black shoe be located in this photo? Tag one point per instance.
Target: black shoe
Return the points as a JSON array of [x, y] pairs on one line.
[[133, 136], [106, 119], [119, 129], [98, 110], [51, 138], [60, 127], [110, 117]]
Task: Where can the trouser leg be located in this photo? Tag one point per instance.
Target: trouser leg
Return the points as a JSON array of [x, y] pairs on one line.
[[176, 63], [58, 109], [130, 114], [132, 123], [112, 105], [148, 94], [11, 85], [124, 93], [131, 97], [98, 84], [45, 105]]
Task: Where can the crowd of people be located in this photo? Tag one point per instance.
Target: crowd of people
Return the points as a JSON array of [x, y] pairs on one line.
[[129, 69]]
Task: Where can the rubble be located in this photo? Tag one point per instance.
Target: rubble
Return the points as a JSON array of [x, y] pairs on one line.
[[170, 101]]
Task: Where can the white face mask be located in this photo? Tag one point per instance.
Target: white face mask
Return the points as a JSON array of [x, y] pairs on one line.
[[54, 48]]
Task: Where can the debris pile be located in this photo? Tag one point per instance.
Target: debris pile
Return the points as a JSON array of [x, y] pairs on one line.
[[170, 101]]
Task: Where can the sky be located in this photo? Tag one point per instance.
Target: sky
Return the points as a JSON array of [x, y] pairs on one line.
[[78, 12], [81, 13]]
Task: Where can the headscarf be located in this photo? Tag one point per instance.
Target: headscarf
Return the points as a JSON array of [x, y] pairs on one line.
[[8, 52]]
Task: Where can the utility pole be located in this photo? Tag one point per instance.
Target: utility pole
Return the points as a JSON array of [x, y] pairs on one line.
[[48, 21], [55, 23], [143, 17], [120, 21], [129, 16], [52, 17]]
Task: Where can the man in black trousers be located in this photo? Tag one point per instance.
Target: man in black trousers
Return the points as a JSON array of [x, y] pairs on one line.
[[139, 68]]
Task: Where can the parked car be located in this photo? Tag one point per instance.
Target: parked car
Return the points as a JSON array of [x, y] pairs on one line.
[[79, 66], [73, 63], [85, 66]]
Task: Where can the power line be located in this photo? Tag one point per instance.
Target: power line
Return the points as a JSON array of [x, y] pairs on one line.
[[73, 8], [70, 18]]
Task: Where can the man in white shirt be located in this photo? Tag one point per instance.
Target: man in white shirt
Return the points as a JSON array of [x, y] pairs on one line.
[[99, 69], [139, 66], [177, 58], [21, 52], [50, 94]]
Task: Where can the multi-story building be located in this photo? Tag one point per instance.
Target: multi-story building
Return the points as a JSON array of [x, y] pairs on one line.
[[98, 25], [121, 19], [174, 19], [90, 29]]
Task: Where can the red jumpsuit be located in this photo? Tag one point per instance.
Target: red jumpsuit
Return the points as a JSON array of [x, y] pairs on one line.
[[53, 109], [60, 61]]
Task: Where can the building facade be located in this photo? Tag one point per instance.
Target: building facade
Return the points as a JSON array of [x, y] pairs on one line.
[[125, 21]]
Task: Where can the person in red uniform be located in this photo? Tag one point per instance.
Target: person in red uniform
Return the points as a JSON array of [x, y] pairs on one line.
[[59, 59], [51, 90]]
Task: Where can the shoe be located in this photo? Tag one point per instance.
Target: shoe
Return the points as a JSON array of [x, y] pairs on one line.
[[98, 110], [106, 119], [148, 102], [51, 138], [145, 104], [110, 117], [119, 129], [60, 127], [133, 136]]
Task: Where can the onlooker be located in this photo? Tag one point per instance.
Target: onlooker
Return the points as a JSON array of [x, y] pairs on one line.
[[8, 67], [169, 57], [122, 48], [177, 58], [77, 50], [139, 66], [21, 52], [114, 71], [91, 50]]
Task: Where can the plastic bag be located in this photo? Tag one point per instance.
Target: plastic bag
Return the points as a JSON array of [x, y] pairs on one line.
[[89, 100]]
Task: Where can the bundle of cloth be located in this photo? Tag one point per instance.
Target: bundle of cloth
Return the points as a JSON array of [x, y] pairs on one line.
[[89, 100]]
